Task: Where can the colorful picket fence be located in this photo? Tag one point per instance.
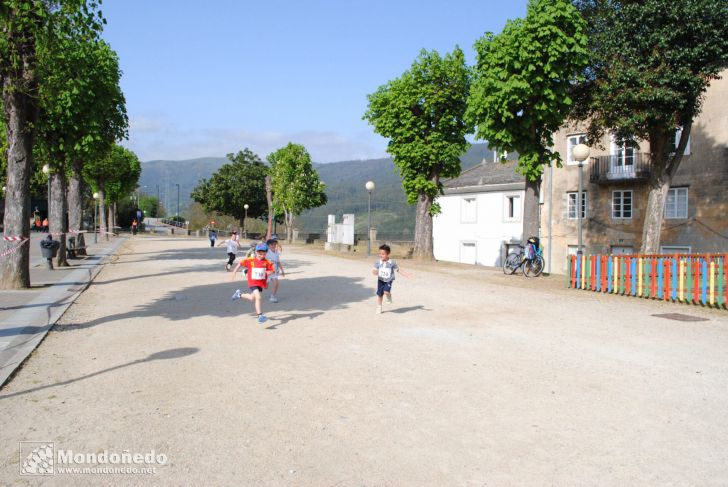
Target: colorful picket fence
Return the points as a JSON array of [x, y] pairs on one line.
[[684, 278]]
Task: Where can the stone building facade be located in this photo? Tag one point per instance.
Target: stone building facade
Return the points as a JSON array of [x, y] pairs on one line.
[[615, 192]]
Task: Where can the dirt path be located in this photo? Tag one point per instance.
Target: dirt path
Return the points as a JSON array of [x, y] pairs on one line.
[[467, 379]]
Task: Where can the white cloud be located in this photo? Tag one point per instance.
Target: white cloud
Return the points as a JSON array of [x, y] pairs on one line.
[[150, 139]]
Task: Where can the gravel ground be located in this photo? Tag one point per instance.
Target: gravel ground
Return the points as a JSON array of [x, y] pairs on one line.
[[469, 378]]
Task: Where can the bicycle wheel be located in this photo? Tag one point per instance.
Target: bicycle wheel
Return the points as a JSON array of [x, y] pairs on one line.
[[533, 267], [511, 264]]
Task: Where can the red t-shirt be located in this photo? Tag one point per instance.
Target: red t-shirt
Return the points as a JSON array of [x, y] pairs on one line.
[[257, 271]]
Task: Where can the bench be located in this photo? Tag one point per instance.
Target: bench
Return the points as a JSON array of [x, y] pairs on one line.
[[71, 248]]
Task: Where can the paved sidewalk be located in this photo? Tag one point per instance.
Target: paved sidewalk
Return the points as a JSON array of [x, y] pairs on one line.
[[27, 315]]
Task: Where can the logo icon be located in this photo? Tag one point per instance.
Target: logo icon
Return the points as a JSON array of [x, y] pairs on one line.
[[37, 457]]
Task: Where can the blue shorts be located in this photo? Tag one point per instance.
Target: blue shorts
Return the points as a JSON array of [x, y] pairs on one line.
[[255, 288], [384, 287]]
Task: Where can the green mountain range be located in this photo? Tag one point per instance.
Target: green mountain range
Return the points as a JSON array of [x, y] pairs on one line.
[[391, 215]]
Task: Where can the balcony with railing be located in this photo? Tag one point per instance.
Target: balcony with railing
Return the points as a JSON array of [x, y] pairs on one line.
[[627, 167]]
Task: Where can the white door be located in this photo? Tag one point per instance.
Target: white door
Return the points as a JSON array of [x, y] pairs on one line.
[[467, 252]]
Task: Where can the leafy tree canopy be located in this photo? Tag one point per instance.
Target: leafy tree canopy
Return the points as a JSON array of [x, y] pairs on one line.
[[296, 185], [234, 185], [651, 62], [521, 91], [422, 115]]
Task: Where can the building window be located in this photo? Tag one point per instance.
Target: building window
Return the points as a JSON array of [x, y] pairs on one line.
[[676, 204], [674, 249], [622, 204], [468, 210], [512, 208], [676, 141], [571, 204], [623, 157], [571, 142]]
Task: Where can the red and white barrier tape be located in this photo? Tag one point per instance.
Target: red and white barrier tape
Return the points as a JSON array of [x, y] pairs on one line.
[[13, 249], [14, 239]]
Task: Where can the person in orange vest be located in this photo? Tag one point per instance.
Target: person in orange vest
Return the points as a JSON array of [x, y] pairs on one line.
[[45, 224], [134, 226]]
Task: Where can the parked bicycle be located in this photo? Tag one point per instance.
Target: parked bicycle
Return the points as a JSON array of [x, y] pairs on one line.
[[528, 258]]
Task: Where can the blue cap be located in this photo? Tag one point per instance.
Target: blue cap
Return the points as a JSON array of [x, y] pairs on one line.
[[261, 246]]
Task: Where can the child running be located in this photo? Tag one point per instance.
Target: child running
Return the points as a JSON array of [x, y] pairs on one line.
[[274, 257], [384, 270], [232, 247], [258, 271]]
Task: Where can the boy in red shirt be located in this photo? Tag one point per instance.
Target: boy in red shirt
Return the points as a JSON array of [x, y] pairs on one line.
[[258, 271]]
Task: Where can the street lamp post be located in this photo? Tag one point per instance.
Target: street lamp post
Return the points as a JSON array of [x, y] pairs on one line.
[[157, 215], [47, 171], [370, 187], [245, 232], [580, 153], [177, 214], [96, 212]]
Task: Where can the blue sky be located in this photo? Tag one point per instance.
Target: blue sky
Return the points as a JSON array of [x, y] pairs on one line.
[[210, 78]]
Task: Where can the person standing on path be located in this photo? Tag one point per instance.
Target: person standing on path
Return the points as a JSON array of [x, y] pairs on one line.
[[274, 257], [232, 247], [384, 269], [212, 235], [258, 271], [134, 226]]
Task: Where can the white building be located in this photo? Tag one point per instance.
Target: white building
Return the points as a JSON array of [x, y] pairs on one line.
[[482, 212]]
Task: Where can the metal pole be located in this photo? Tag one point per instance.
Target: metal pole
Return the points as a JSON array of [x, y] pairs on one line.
[[551, 207], [245, 231], [369, 228], [177, 214], [96, 212], [578, 208], [157, 215]]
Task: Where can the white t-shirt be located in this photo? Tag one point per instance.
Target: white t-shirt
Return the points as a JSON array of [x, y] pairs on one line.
[[232, 246], [385, 270]]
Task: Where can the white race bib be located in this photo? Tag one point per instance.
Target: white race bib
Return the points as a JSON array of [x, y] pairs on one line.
[[385, 273], [258, 273]]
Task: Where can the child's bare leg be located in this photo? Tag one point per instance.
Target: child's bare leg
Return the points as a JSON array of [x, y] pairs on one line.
[[256, 300], [379, 300], [274, 284]]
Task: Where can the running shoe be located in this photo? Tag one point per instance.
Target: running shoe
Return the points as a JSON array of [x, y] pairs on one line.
[[389, 298], [273, 299], [262, 319], [237, 294], [379, 310]]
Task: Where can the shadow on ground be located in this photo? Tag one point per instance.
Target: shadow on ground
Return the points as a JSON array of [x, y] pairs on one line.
[[300, 298]]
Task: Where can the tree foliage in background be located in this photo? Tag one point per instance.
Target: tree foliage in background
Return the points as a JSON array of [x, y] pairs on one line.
[[651, 63], [233, 186], [113, 176], [295, 183], [82, 113], [521, 91], [26, 26], [422, 115]]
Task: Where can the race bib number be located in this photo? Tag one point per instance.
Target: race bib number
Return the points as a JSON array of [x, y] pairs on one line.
[[385, 273], [258, 273]]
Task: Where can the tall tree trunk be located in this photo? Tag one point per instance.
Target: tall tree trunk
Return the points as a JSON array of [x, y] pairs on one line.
[[75, 207], [111, 219], [289, 216], [269, 197], [531, 208], [663, 167], [423, 228], [103, 228], [57, 214], [20, 114]]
